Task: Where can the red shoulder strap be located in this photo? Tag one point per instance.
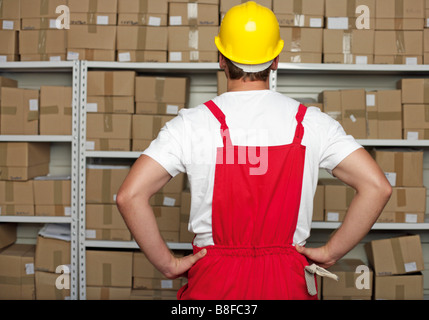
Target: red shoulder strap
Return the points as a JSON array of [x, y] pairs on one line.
[[299, 132], [220, 116]]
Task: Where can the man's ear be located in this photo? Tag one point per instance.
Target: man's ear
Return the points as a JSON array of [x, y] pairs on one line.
[[275, 64], [222, 61]]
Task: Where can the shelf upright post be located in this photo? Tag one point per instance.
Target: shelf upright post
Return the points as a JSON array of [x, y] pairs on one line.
[[273, 80], [82, 178]]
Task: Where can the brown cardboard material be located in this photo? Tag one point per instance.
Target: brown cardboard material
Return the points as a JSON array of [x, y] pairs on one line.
[[193, 14], [104, 216], [91, 37], [17, 192], [398, 24], [24, 154], [416, 134], [141, 55], [43, 57], [353, 105], [348, 42], [147, 127], [158, 108], [49, 191], [407, 199], [108, 126], [46, 287], [7, 234], [167, 218], [108, 234], [306, 13], [319, 204], [406, 287], [107, 144], [161, 89], [348, 283], [149, 6], [9, 48], [156, 284], [401, 217], [346, 58], [42, 42], [166, 199], [142, 38], [175, 185], [398, 59], [109, 268], [103, 183], [184, 38], [111, 83], [337, 199], [142, 19], [221, 82], [302, 39], [52, 210], [17, 209], [39, 8], [389, 114], [185, 210], [225, 5], [17, 272], [193, 56], [342, 14], [331, 100], [372, 114], [403, 167], [140, 144], [100, 18], [107, 293], [106, 6], [416, 116], [399, 255], [10, 10], [55, 110], [414, 91], [91, 54], [400, 9], [39, 23], [51, 253], [19, 110], [398, 43]]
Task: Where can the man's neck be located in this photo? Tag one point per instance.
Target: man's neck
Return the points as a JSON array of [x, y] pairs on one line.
[[240, 85]]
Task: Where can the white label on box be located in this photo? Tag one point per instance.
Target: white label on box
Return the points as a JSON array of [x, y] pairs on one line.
[[91, 107], [71, 55], [411, 217], [67, 211], [167, 284], [7, 25], [103, 20], [370, 100], [90, 234], [333, 216], [169, 202], [341, 23], [427, 22], [411, 61], [171, 109], [412, 135], [315, 22], [124, 57], [53, 23], [175, 21], [410, 267], [361, 60], [29, 268], [353, 118], [391, 177], [154, 21], [33, 104], [90, 145], [175, 56], [55, 58], [114, 197], [3, 58]]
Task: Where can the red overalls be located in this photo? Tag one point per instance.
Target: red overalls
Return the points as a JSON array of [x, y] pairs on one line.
[[254, 218]]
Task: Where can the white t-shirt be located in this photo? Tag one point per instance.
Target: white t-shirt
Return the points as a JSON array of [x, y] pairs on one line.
[[188, 144]]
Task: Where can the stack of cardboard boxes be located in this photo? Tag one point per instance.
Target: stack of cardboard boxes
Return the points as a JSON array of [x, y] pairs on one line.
[[10, 24]]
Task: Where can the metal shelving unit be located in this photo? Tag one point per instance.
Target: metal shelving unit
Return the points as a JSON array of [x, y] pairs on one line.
[[72, 68]]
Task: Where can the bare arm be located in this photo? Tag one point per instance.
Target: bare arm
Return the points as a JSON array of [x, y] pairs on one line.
[[145, 178], [373, 191]]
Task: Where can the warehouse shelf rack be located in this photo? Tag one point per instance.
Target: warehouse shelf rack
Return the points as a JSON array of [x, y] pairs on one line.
[[70, 68]]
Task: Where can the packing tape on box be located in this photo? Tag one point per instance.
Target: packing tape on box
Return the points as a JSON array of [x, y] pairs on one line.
[[194, 56], [159, 88], [399, 8], [106, 234], [13, 281], [107, 274], [347, 42], [8, 110], [399, 167], [351, 8], [426, 134], [44, 7], [157, 126], [1, 9], [400, 42], [426, 92], [33, 115], [92, 6], [401, 197], [108, 104], [107, 214], [298, 17], [192, 14], [57, 256], [104, 144], [399, 292], [58, 192], [397, 254], [91, 22], [41, 44], [104, 293], [193, 38], [9, 192], [348, 58], [108, 122], [296, 40], [10, 209], [354, 114], [3, 153], [49, 110], [389, 115], [108, 82], [372, 115], [106, 180]]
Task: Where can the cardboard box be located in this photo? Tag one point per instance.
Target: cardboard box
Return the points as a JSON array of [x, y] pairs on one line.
[[200, 38], [91, 54], [143, 294], [17, 209], [149, 6], [401, 217], [415, 116], [141, 55], [331, 100], [416, 134], [221, 82], [9, 48], [193, 56], [341, 14], [52, 210], [404, 287], [108, 234], [157, 284], [10, 10], [43, 57], [46, 288], [162, 89], [302, 39], [147, 127], [414, 91], [38, 23], [351, 283], [51, 253], [407, 14], [94, 18], [19, 110], [108, 126], [7, 82], [16, 192], [56, 110], [399, 24], [348, 42], [142, 19], [111, 83], [305, 13], [398, 59], [353, 106], [103, 182], [142, 38], [7, 234], [158, 108], [17, 272], [52, 191], [389, 114], [140, 144], [104, 216], [168, 220], [91, 37], [338, 197], [401, 43], [108, 293], [105, 6], [185, 210], [319, 204], [403, 167], [166, 199], [107, 144], [407, 199], [399, 255], [42, 42], [39, 8], [109, 268], [193, 14]]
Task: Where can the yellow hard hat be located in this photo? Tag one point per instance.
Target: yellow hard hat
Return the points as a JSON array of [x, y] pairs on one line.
[[249, 34]]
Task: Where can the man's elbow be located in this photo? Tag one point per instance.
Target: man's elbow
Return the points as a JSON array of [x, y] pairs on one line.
[[383, 189]]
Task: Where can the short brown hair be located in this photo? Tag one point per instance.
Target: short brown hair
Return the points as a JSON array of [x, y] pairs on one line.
[[236, 73]]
